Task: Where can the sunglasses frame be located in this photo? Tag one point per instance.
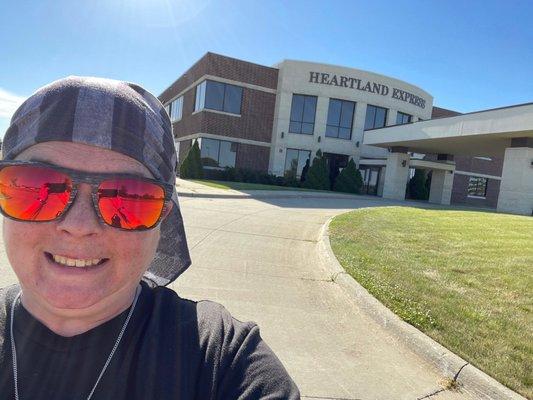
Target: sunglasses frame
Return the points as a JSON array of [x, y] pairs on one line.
[[94, 180]]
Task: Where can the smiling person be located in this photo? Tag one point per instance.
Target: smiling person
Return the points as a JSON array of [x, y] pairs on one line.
[[94, 233]]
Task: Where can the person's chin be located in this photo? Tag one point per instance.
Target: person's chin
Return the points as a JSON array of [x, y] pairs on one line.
[[70, 287]]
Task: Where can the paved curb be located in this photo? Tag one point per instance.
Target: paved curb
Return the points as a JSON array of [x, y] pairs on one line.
[[450, 365]]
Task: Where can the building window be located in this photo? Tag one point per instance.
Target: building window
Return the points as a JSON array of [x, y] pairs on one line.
[[376, 117], [218, 96], [175, 109], [303, 111], [403, 118], [217, 153], [295, 162], [340, 118], [477, 186]]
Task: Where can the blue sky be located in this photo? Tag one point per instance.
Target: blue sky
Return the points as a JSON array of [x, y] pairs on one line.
[[468, 54]]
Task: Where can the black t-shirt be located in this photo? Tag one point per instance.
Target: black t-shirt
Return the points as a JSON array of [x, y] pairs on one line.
[[172, 349]]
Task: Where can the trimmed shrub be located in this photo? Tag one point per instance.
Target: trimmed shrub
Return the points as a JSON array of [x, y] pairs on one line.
[[349, 180], [191, 167], [318, 176]]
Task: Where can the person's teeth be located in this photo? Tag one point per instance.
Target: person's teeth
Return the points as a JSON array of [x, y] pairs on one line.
[[71, 262]]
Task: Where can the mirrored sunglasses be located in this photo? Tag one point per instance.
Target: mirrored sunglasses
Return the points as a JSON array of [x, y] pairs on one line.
[[40, 192]]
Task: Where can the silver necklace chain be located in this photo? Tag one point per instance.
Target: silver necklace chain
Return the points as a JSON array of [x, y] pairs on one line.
[[117, 342]]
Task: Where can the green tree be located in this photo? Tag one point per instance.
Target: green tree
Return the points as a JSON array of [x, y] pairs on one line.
[[349, 180], [417, 186], [317, 176], [191, 167]]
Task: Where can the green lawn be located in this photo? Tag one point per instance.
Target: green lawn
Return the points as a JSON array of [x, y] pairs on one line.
[[464, 278], [244, 186]]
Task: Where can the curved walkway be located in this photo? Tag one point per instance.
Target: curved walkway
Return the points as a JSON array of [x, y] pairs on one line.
[[260, 257]]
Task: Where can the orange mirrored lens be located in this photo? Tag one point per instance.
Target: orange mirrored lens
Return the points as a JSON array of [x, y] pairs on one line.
[[32, 193], [130, 203]]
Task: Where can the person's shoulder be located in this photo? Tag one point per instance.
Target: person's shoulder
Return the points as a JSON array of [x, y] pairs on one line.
[[208, 315], [240, 361]]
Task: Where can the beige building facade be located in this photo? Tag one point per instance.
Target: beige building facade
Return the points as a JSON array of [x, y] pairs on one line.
[[273, 119]]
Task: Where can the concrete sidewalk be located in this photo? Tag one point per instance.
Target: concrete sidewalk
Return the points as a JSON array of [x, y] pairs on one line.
[[260, 258]]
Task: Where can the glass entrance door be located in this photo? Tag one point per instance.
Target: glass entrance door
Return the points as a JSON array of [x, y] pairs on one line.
[[370, 179]]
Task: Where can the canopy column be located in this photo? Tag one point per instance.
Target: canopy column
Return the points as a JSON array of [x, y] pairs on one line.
[[396, 174], [516, 187], [440, 191]]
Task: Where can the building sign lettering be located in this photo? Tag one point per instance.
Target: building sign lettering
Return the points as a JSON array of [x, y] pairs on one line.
[[365, 86]]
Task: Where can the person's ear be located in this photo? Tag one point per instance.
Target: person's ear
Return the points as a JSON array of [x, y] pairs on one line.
[[167, 208]]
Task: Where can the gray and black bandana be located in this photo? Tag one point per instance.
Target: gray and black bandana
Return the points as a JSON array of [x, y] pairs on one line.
[[114, 115]]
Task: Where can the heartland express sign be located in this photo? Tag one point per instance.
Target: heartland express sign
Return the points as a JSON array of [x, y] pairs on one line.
[[371, 87]]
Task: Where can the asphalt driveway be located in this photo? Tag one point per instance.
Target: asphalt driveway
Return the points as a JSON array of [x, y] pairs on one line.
[[259, 257]]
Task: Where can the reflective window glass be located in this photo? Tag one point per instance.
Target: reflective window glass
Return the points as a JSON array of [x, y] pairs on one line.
[[297, 108], [209, 149], [347, 114], [228, 152], [303, 110], [370, 116], [232, 99], [295, 162], [307, 128], [200, 96], [295, 127], [309, 109], [376, 117], [334, 112], [291, 163], [176, 109], [381, 117], [340, 118], [332, 131], [477, 186], [214, 95], [218, 153], [345, 133], [403, 118], [303, 156]]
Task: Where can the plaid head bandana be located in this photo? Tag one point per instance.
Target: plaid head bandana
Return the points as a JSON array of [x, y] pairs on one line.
[[114, 115]]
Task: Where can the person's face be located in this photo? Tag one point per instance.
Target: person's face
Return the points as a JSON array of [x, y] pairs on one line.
[[79, 235]]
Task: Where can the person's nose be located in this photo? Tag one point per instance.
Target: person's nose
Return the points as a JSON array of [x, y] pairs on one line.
[[81, 218]]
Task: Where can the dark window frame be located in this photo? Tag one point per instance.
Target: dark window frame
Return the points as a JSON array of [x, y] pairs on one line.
[[171, 105], [301, 121], [374, 120], [339, 126], [232, 144], [409, 118], [298, 150], [475, 183], [200, 104]]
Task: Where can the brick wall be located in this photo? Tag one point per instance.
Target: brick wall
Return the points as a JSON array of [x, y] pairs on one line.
[[257, 112], [472, 164], [460, 192], [252, 157], [224, 67]]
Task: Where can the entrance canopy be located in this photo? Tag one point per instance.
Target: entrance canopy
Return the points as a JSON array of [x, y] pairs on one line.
[[483, 133]]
